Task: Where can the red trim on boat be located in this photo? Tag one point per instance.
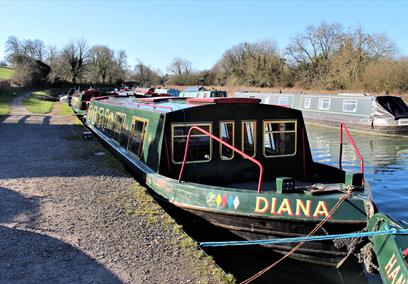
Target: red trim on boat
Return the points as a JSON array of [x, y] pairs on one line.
[[159, 99], [405, 252], [224, 100]]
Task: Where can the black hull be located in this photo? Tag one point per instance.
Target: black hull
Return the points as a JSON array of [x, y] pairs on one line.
[[319, 252], [379, 130]]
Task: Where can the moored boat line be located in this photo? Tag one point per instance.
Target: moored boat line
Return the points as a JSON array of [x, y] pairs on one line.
[[373, 114]]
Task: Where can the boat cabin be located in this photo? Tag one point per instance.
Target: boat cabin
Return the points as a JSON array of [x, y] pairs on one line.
[[154, 132], [80, 100]]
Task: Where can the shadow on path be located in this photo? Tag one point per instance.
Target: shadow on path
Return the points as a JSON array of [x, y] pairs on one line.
[[30, 257]]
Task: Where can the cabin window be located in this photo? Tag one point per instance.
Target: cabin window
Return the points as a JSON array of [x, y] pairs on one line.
[[227, 134], [94, 113], [200, 148], [350, 105], [283, 101], [106, 119], [306, 103], [324, 104], [100, 117], [89, 114], [279, 138], [118, 126], [109, 124], [137, 136], [249, 138]]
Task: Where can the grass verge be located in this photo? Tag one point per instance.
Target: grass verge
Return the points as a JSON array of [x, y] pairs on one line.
[[136, 201], [35, 104], [62, 109], [6, 73]]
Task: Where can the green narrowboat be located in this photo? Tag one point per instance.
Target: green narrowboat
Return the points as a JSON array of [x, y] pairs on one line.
[[391, 250], [237, 163], [80, 100]]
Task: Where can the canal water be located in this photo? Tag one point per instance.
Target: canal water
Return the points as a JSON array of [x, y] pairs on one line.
[[386, 171], [386, 164]]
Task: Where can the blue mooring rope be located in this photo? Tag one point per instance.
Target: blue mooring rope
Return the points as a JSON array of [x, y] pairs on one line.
[[392, 231]]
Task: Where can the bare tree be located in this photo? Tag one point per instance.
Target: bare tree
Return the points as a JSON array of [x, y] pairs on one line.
[[311, 51], [13, 48], [75, 57], [101, 62], [180, 67], [119, 71], [255, 64], [145, 74]]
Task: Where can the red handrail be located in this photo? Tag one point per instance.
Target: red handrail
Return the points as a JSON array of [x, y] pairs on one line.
[[226, 145], [351, 140]]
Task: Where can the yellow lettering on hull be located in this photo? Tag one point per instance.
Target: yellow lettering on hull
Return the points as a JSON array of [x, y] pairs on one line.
[[286, 207]]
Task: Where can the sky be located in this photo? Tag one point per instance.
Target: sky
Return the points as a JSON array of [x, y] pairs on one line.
[[200, 31]]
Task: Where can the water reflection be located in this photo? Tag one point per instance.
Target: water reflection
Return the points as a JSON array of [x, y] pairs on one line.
[[386, 164]]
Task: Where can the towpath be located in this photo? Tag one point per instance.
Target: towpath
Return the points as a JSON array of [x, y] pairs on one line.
[[70, 216]]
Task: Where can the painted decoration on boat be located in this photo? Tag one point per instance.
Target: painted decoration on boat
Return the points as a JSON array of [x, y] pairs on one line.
[[222, 200]]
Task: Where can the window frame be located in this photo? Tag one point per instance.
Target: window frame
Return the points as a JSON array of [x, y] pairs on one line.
[[289, 131], [100, 117], [320, 104], [308, 100], [233, 139], [199, 124], [286, 98], [106, 119], [254, 138], [348, 101], [89, 113], [94, 112], [121, 127], [132, 131]]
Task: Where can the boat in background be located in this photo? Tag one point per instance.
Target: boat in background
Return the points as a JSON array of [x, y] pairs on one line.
[[238, 164], [144, 92], [201, 92], [80, 100], [376, 114], [167, 92]]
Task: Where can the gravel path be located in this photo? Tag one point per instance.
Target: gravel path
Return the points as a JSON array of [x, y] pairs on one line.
[[70, 216]]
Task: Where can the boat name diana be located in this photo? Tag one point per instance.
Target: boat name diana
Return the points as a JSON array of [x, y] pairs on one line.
[[285, 207]]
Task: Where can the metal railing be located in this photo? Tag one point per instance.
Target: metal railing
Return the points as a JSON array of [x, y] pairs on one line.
[[261, 170], [351, 140]]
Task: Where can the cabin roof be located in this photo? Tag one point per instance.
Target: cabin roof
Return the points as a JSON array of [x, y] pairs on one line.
[[171, 104]]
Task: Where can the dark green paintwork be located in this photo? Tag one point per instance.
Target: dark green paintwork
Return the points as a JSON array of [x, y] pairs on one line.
[[76, 102], [389, 249]]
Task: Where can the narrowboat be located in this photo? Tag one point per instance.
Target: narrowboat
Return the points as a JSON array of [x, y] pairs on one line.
[[201, 92], [80, 100], [238, 164], [167, 92], [374, 114], [144, 92], [391, 249]]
